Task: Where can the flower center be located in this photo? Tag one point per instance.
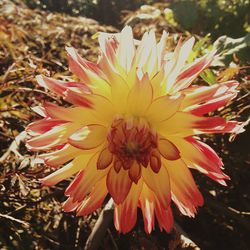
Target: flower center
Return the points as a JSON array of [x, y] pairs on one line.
[[132, 142]]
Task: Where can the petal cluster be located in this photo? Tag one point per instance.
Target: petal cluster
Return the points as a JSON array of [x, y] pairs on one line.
[[132, 129]]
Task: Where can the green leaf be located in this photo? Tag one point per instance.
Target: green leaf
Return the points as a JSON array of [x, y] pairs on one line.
[[208, 76], [227, 46]]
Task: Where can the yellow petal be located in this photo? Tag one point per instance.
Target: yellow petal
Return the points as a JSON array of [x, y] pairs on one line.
[[140, 96], [163, 108], [79, 163]]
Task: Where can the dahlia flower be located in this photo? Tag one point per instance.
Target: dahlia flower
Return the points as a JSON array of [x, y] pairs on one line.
[[132, 130]]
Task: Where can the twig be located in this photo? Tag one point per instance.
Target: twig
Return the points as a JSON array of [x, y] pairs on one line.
[[100, 228], [13, 147], [184, 238], [238, 212], [8, 217]]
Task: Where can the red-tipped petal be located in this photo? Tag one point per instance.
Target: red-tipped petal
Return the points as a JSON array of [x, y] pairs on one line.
[[94, 200], [165, 217], [159, 183], [184, 190], [147, 204], [125, 214], [69, 205], [56, 136], [42, 126]]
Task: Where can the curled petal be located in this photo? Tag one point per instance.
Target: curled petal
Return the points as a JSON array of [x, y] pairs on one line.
[[135, 172], [88, 137], [165, 217], [126, 48], [174, 66], [75, 114], [184, 124], [61, 87], [105, 159], [168, 150], [206, 99], [155, 161]]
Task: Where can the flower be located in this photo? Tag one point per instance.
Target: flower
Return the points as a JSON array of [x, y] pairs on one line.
[[132, 129]]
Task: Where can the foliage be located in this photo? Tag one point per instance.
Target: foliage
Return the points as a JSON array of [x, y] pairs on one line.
[[217, 17]]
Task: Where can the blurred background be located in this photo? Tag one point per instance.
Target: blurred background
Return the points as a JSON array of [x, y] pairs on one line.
[[33, 35]]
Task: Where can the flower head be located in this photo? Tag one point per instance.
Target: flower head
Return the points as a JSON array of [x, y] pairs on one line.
[[132, 129]]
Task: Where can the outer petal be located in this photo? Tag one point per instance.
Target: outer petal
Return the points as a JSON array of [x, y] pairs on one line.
[[94, 200], [174, 66], [163, 108], [200, 156], [184, 190], [125, 214], [161, 47], [69, 205], [61, 87], [75, 114], [42, 126], [147, 204], [66, 171], [88, 72], [61, 156], [118, 184], [146, 54], [126, 49], [206, 99], [86, 180], [165, 217], [187, 76], [184, 124], [159, 183], [56, 136]]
